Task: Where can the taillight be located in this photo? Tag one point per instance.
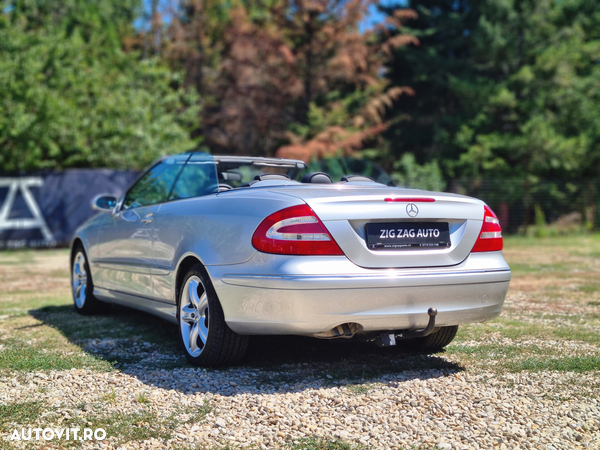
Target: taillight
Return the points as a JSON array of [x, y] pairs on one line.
[[490, 237], [294, 231]]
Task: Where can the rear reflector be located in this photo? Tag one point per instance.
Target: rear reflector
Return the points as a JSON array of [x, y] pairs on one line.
[[294, 231], [490, 237]]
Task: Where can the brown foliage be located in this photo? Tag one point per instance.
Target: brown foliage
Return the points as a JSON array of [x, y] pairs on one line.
[[374, 111], [258, 68], [333, 141]]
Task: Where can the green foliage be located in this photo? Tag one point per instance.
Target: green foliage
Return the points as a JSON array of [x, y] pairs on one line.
[[104, 23], [439, 72], [503, 88], [337, 109], [71, 97], [409, 173], [319, 118], [568, 225], [541, 114]]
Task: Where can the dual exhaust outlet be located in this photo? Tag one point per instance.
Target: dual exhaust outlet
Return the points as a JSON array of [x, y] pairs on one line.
[[383, 339]]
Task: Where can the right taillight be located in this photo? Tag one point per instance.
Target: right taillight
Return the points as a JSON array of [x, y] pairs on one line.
[[490, 237]]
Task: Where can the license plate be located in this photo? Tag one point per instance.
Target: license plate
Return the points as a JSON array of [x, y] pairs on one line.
[[408, 235]]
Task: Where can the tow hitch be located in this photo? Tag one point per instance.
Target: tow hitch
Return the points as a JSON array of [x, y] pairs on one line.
[[387, 339]]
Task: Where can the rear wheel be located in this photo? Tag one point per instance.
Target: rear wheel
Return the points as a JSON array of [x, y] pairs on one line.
[[434, 342], [82, 286], [205, 337]]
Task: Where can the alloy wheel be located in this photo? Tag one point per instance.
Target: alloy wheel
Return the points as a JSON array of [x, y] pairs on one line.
[[193, 316], [79, 278]]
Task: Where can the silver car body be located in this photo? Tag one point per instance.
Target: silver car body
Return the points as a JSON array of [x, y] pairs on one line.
[[136, 258]]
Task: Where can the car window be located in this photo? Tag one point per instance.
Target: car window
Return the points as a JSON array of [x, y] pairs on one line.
[[155, 185], [198, 177]]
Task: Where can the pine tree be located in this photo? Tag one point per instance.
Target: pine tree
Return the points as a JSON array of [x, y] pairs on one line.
[[440, 71], [507, 92], [503, 88]]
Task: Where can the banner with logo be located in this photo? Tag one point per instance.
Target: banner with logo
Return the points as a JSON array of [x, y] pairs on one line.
[[44, 209]]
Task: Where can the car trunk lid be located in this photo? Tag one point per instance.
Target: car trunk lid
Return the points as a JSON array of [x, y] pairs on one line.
[[353, 211]]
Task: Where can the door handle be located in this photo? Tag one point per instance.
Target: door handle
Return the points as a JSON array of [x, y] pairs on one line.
[[148, 218]]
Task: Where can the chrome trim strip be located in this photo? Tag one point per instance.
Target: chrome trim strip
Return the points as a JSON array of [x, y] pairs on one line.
[[131, 267], [123, 266]]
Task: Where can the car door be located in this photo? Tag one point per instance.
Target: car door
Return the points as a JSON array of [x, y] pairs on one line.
[[125, 242], [177, 221]]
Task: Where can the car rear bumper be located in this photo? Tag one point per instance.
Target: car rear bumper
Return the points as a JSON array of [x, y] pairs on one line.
[[305, 295]]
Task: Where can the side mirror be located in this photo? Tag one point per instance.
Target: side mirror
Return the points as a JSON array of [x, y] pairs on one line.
[[104, 202]]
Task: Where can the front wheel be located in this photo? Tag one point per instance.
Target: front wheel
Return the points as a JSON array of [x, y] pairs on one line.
[[205, 337]]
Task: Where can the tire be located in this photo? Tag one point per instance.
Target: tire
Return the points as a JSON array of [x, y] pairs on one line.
[[82, 286], [205, 337], [435, 341]]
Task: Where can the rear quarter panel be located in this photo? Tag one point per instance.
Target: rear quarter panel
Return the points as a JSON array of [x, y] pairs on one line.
[[216, 228]]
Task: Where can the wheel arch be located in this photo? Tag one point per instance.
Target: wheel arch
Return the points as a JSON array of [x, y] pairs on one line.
[[185, 264], [76, 243]]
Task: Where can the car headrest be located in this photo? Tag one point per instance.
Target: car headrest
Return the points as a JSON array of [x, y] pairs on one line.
[[271, 176], [317, 178], [347, 178], [229, 176]]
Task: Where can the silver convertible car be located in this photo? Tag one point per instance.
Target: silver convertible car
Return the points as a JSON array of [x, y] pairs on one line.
[[227, 247]]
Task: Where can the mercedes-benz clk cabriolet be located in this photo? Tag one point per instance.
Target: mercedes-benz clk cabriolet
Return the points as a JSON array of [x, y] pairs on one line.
[[228, 247]]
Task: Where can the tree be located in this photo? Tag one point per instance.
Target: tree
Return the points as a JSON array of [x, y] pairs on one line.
[[267, 71], [507, 92], [425, 124], [345, 98], [502, 87], [540, 115], [237, 61], [540, 79], [70, 96]]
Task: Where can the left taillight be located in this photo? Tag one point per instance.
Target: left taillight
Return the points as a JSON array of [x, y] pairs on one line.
[[490, 236], [294, 231]]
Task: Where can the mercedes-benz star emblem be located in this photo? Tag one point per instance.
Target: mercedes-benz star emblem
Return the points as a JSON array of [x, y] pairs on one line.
[[412, 210]]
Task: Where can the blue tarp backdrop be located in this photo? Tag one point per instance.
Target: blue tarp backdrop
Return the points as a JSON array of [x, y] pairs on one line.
[[45, 209]]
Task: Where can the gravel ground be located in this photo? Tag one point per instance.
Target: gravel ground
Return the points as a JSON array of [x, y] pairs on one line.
[[432, 409]]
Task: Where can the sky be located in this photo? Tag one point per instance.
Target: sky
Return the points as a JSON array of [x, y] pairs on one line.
[[374, 16]]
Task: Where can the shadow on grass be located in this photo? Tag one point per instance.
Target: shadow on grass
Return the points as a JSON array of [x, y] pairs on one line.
[[146, 347]]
